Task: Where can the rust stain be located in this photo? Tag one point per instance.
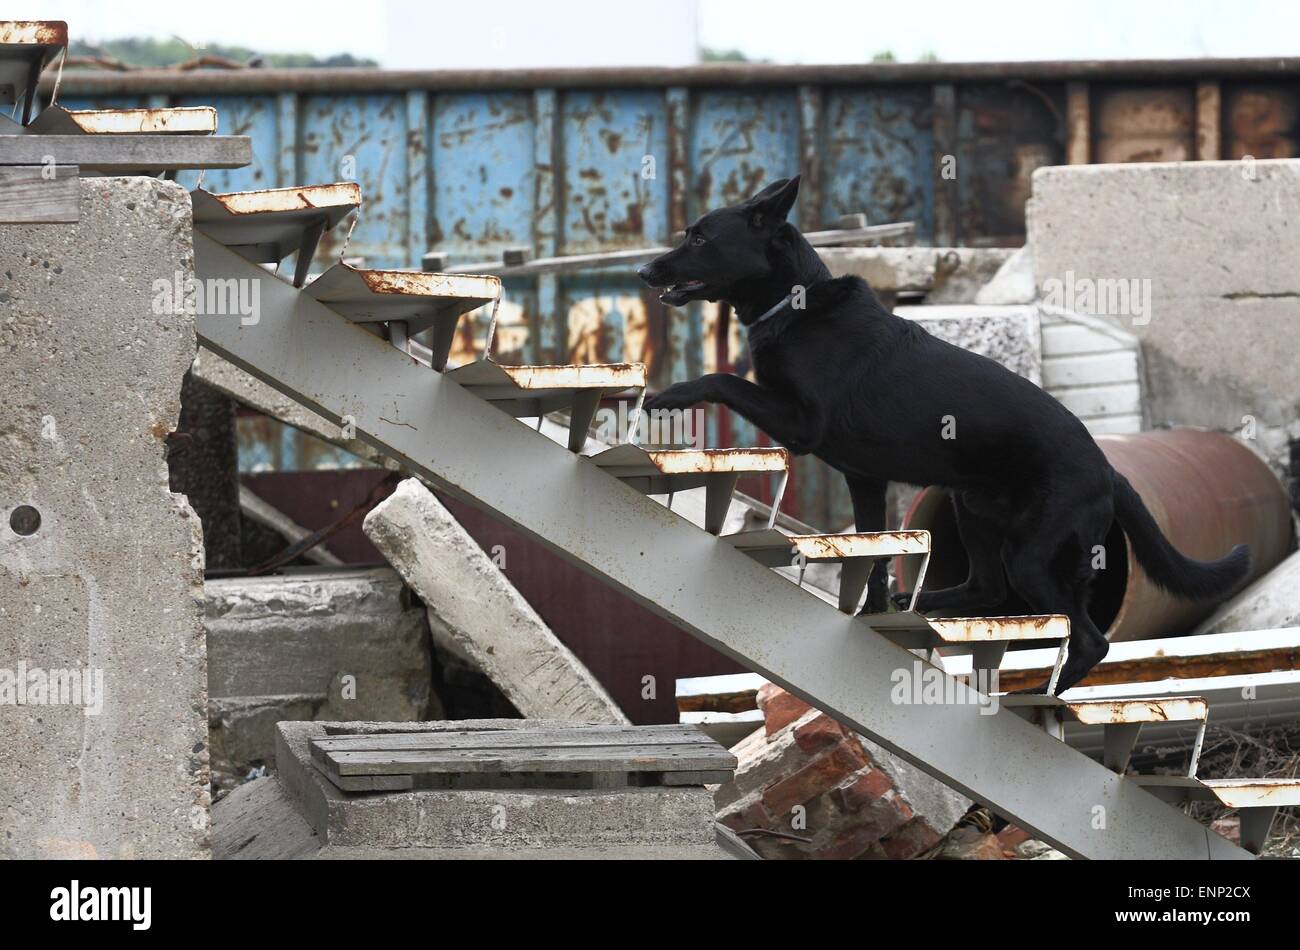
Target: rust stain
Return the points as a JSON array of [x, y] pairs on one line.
[[33, 33], [302, 198], [598, 376], [820, 547], [419, 284], [990, 629], [190, 120], [1139, 710], [691, 461]]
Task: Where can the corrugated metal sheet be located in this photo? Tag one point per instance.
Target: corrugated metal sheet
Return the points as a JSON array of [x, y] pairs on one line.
[[571, 161]]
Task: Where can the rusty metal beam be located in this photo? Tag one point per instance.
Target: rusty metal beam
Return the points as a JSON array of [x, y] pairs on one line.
[[173, 82]]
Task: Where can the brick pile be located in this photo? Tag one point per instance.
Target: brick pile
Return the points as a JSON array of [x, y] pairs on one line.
[[808, 787]]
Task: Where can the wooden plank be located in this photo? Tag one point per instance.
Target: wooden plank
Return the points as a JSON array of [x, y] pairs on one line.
[[118, 153], [703, 757], [28, 195], [667, 735]]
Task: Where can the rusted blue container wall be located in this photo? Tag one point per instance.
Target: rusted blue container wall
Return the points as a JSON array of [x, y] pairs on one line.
[[575, 161]]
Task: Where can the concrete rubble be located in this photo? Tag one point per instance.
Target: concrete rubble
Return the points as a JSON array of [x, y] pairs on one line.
[[1270, 603], [475, 611], [110, 582], [310, 644], [300, 814]]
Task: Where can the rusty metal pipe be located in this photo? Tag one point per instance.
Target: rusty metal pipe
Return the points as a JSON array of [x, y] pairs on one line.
[[1206, 491], [351, 79]]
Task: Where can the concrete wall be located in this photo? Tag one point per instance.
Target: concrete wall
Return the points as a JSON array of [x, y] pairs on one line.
[[110, 580], [1217, 243], [339, 644]]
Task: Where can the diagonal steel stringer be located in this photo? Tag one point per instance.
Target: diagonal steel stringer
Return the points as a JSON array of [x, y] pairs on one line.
[[698, 582]]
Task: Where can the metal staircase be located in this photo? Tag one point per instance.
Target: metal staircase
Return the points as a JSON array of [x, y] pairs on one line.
[[342, 345], [346, 357]]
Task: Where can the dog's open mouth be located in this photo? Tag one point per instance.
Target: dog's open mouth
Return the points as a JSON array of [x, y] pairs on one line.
[[683, 292]]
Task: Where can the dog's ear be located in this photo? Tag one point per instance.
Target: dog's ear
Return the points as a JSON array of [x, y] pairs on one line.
[[771, 205]]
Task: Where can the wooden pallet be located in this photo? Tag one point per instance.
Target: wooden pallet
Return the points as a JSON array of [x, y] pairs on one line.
[[543, 757]]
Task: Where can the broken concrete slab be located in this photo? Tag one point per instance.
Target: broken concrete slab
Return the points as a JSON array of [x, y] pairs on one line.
[[475, 610], [1272, 602], [101, 566], [945, 275], [310, 643], [258, 821], [1013, 283], [1209, 307]]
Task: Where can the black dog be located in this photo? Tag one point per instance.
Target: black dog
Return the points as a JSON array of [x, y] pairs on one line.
[[880, 399]]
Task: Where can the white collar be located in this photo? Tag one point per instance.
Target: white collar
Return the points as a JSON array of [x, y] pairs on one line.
[[779, 306]]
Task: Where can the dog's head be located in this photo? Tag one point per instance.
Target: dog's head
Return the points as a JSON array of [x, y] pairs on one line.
[[725, 250]]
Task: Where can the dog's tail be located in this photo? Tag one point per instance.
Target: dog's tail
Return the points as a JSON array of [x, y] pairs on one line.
[[1179, 575]]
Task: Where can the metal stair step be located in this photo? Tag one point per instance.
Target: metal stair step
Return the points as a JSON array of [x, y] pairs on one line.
[[188, 120], [26, 46], [1256, 799], [408, 301], [536, 390], [667, 471], [1104, 712], [856, 553], [1121, 720], [268, 225], [913, 631], [986, 639]]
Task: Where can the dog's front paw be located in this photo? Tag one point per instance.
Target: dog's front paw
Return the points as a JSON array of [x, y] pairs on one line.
[[676, 396], [901, 601]]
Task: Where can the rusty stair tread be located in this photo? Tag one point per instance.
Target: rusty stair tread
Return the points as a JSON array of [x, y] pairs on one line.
[[632, 460], [182, 120], [366, 295], [498, 381], [1103, 712], [1231, 792], [830, 547]]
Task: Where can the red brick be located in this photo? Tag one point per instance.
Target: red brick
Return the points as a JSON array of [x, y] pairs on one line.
[[1012, 836], [968, 844], [848, 845], [884, 816], [912, 839], [819, 776], [753, 815], [816, 734], [868, 786], [779, 707]]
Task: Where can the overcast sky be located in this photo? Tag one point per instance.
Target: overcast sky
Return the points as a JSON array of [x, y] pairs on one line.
[[453, 33]]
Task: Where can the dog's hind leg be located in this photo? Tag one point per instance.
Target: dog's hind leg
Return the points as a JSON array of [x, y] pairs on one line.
[[1052, 573], [868, 496], [985, 586]]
